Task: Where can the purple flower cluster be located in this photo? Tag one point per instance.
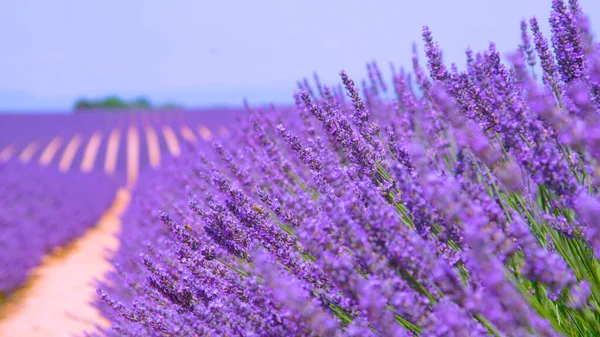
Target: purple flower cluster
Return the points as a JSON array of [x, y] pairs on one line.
[[465, 206]]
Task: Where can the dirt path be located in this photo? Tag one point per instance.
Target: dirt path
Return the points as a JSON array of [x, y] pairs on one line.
[[55, 302]]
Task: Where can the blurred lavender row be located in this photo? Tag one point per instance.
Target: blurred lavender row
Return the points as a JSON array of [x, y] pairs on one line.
[[42, 209]]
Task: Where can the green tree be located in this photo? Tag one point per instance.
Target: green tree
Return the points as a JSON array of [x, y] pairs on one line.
[[112, 102]]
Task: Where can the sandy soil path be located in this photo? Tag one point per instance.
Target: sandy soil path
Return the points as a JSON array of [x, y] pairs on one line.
[[55, 302]]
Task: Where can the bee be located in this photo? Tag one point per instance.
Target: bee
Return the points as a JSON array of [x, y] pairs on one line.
[[257, 209], [188, 227]]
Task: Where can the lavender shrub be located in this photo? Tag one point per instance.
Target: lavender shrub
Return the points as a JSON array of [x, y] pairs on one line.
[[466, 206]]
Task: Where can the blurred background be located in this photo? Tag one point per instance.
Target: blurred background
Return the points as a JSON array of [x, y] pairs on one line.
[[214, 53]]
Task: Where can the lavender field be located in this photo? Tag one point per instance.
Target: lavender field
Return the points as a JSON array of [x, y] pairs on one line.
[[100, 141], [442, 201]]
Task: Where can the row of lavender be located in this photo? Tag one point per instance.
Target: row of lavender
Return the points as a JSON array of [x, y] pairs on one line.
[[42, 209], [466, 206], [45, 203]]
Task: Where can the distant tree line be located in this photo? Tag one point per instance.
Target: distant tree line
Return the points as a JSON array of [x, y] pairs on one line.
[[115, 102]]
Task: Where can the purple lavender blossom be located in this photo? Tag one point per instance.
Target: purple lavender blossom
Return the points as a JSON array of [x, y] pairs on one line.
[[467, 205]]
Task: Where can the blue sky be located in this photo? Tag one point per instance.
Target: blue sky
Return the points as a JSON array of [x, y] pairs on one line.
[[204, 53]]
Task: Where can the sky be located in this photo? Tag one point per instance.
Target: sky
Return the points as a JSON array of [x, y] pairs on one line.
[[214, 53]]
